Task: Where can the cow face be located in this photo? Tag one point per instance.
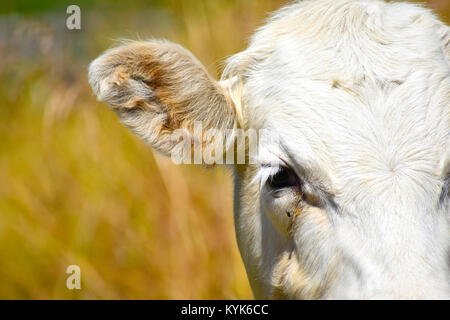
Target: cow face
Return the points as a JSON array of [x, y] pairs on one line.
[[348, 195]]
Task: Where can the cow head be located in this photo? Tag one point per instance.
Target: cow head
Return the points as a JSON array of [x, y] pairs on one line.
[[348, 196]]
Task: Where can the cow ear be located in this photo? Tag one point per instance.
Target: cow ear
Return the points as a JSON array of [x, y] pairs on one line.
[[157, 87]]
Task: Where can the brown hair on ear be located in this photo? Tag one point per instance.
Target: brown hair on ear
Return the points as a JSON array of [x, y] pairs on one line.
[[156, 87]]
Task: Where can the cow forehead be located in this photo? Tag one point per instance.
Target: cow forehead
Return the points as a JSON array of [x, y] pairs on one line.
[[367, 133], [360, 97]]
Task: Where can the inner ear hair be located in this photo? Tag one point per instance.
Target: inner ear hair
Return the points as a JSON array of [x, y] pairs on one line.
[[156, 87]]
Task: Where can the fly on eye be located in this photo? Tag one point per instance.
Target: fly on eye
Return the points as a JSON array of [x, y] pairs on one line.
[[282, 179]]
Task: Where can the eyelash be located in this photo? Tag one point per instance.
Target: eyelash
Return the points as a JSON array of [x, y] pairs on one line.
[[283, 178]]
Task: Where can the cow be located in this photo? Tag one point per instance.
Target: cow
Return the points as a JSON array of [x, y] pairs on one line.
[[349, 199]]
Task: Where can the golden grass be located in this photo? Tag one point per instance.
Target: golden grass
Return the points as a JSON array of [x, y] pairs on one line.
[[77, 188]]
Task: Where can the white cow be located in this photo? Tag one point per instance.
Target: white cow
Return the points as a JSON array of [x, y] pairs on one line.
[[352, 200]]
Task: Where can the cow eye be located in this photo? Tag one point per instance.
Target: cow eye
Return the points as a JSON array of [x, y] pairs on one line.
[[283, 178]]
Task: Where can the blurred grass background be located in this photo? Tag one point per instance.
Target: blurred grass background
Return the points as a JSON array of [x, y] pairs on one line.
[[77, 188]]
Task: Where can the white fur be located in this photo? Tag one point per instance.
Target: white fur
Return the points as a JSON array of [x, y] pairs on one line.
[[354, 96], [359, 92]]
